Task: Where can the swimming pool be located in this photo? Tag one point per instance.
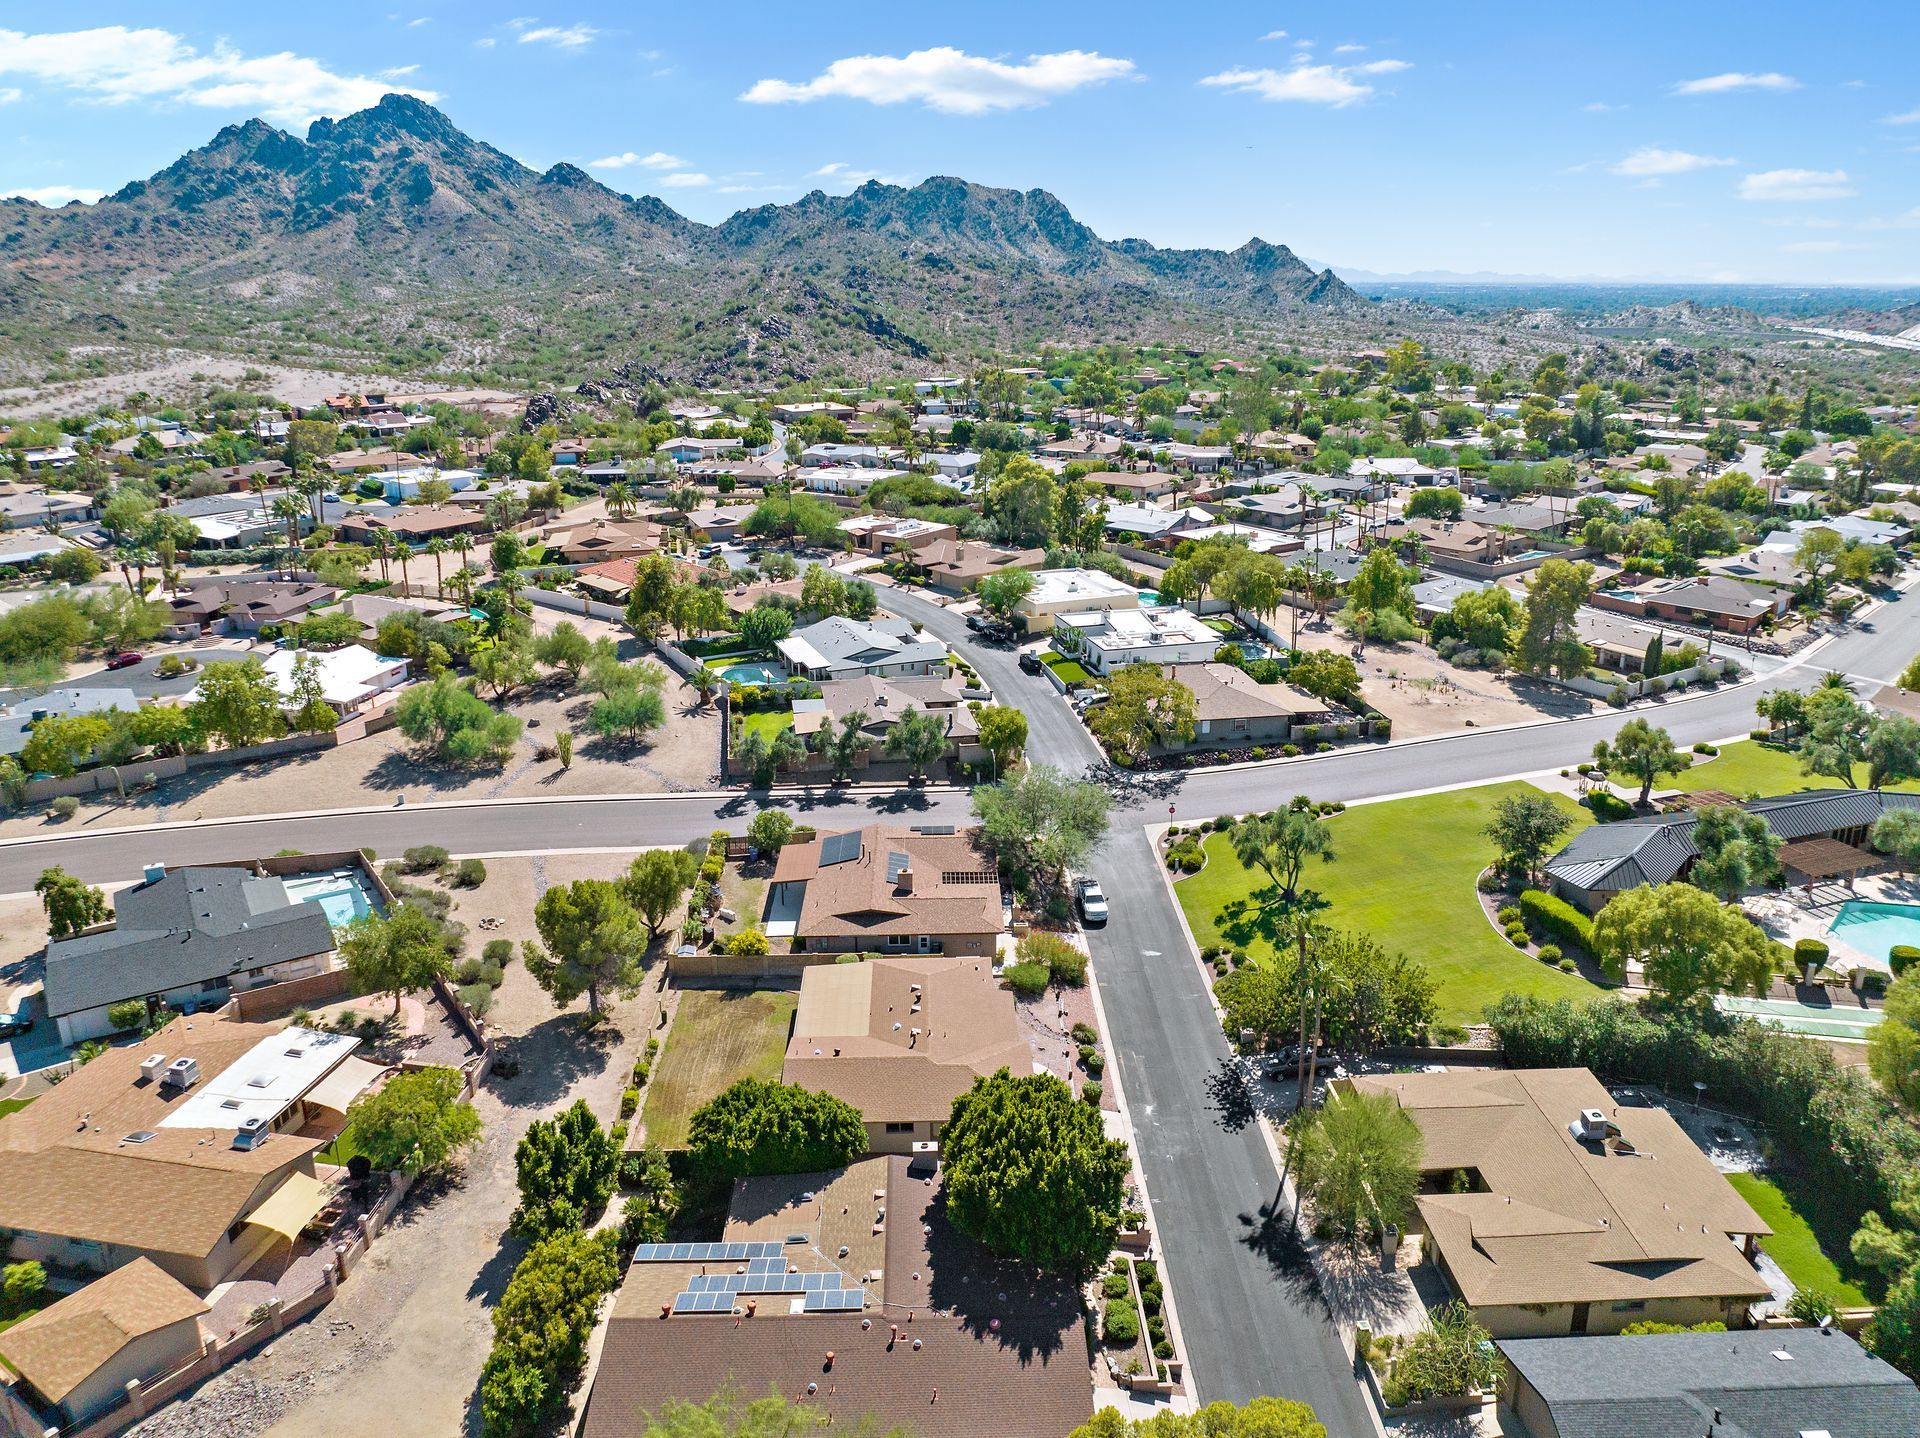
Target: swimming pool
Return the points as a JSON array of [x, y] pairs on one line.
[[1148, 596], [754, 674], [1874, 928], [342, 894]]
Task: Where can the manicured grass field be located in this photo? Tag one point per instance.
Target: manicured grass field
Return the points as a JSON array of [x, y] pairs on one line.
[[1069, 671], [1750, 767], [768, 722], [1404, 872], [1793, 1244], [718, 1036]]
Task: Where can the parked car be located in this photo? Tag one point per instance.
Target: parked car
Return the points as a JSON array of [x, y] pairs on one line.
[[125, 659], [11, 1024], [1030, 662], [1092, 899]]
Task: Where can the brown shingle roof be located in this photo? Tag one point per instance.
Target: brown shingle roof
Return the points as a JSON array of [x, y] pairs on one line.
[[1565, 1220], [954, 888], [900, 1039], [59, 1347], [1221, 691]]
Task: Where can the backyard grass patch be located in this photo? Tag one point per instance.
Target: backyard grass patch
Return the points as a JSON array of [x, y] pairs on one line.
[[1750, 767], [1793, 1244], [12, 1105], [768, 722], [718, 1037], [1403, 872], [1068, 670]]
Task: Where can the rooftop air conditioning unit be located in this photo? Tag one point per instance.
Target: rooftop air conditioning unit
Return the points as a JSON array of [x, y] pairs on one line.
[[151, 1067], [251, 1134], [182, 1073]]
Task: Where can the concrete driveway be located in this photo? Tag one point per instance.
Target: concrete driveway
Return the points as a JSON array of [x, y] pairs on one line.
[[141, 679]]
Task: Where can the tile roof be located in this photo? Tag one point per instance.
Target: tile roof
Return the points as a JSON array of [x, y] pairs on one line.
[[1221, 691], [190, 926], [1562, 1219], [900, 1039], [885, 700], [1660, 1384], [947, 886], [61, 1346]]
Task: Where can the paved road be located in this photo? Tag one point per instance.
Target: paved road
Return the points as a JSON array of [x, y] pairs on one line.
[[1248, 1310], [140, 677]]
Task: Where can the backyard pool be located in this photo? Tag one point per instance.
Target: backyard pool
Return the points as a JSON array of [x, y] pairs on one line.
[[343, 894], [753, 674], [1148, 597], [1874, 928]]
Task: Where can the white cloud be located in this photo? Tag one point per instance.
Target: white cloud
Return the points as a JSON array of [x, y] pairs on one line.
[[1906, 220], [1908, 117], [1652, 160], [1732, 80], [1274, 35], [561, 37], [9, 96], [1306, 84], [55, 194], [686, 180], [658, 160], [833, 167], [115, 65], [839, 173], [948, 80], [1348, 49], [398, 72], [485, 42], [415, 24], [1797, 185]]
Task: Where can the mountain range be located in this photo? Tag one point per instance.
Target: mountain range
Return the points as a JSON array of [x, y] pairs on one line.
[[391, 238]]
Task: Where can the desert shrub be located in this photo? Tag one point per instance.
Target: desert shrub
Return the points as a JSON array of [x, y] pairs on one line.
[[1064, 963], [471, 874], [1091, 1091], [498, 951], [424, 859], [65, 807], [477, 997], [1027, 980], [1084, 1034], [1120, 1324]]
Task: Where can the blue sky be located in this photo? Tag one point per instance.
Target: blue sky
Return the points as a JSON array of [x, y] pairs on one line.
[[1676, 140]]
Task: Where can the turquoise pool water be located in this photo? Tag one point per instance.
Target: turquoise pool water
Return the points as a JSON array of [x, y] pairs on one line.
[[1873, 928], [341, 894], [1149, 596], [753, 674]]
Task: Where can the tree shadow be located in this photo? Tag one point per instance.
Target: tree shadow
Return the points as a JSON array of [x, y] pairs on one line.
[[1273, 1235], [899, 801], [550, 1058], [400, 770]]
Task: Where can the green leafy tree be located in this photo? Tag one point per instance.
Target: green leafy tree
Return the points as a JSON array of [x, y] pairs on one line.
[[656, 882], [415, 1122], [755, 1126], [311, 712], [1894, 1334], [541, 1328], [1041, 822], [396, 952], [1022, 504], [1382, 584], [60, 743], [1688, 944], [23, 1287], [505, 665], [765, 625], [1325, 675], [1147, 709], [1733, 851], [1897, 832], [567, 1167], [1003, 734], [1435, 502], [629, 714], [593, 939], [843, 746], [1281, 843], [1643, 752], [71, 904], [450, 721], [237, 703], [770, 830], [1485, 620], [1524, 826], [1030, 1172], [1003, 593], [1834, 741], [919, 738], [1358, 1160], [1549, 640], [1892, 750], [1451, 1355], [564, 648]]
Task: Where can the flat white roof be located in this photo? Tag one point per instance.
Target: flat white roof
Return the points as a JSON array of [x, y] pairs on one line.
[[263, 1081], [347, 675], [1158, 624], [1060, 586]]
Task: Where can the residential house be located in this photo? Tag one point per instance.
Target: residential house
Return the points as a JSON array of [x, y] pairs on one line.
[[956, 566], [1285, 445], [1200, 458], [171, 439], [1774, 1383], [351, 677], [812, 409], [1085, 445], [884, 534], [957, 464], [1525, 519], [1606, 859], [239, 605], [31, 506], [718, 523], [23, 547], [411, 525], [78, 1355], [193, 1149], [1287, 507], [883, 702], [690, 450], [399, 486], [1401, 470], [185, 937], [1073, 591], [1549, 1208], [609, 581], [1707, 600], [1451, 541], [1151, 526], [1135, 485], [851, 479], [22, 710], [1854, 527], [998, 1348], [603, 539], [886, 890], [1105, 639], [49, 456], [371, 609], [859, 456], [842, 648], [1232, 710], [901, 1038], [238, 521]]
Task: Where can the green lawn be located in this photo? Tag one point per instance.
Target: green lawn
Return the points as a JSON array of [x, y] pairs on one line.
[[768, 722], [1403, 872], [1750, 767], [339, 1151], [1793, 1244], [718, 1036], [1069, 671], [12, 1105]]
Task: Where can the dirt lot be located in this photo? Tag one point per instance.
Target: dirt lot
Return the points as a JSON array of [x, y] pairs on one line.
[[1422, 695]]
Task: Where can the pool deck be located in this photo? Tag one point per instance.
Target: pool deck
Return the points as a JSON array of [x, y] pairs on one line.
[[1787, 915]]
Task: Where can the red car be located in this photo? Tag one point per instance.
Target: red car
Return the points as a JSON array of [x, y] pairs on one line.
[[126, 659]]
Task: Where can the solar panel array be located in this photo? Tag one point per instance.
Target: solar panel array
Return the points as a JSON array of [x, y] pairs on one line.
[[704, 1302], [835, 1300], [705, 1252], [839, 848]]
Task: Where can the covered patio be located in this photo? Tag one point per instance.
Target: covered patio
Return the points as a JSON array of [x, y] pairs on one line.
[[1815, 860]]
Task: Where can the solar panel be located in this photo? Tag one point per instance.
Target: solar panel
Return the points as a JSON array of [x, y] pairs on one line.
[[716, 1283], [839, 848], [835, 1300], [766, 1265], [791, 1282], [896, 863], [706, 1252], [703, 1302]]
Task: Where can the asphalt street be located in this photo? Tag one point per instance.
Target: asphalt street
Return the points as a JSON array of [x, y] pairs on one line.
[[1252, 1319]]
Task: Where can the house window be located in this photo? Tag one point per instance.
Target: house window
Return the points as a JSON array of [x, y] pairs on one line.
[[899, 1128], [1632, 1305]]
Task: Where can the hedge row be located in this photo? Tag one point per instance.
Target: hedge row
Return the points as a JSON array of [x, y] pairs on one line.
[[1848, 1134], [1551, 914]]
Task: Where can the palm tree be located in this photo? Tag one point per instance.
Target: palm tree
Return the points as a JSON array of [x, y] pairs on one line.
[[437, 547], [619, 500], [403, 552], [288, 510], [383, 548], [705, 681]]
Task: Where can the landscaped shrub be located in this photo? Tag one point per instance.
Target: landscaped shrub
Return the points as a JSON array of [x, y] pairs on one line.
[[1063, 962], [1568, 966], [424, 859], [1091, 1091], [470, 875], [1809, 953], [1510, 914], [1517, 935], [1549, 954], [1705, 748], [1120, 1325], [1902, 957], [65, 807], [498, 951], [1163, 1349], [629, 1102], [1114, 1285], [1084, 1034], [1027, 980], [1552, 915], [1093, 1060], [1607, 807], [477, 997], [748, 943]]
